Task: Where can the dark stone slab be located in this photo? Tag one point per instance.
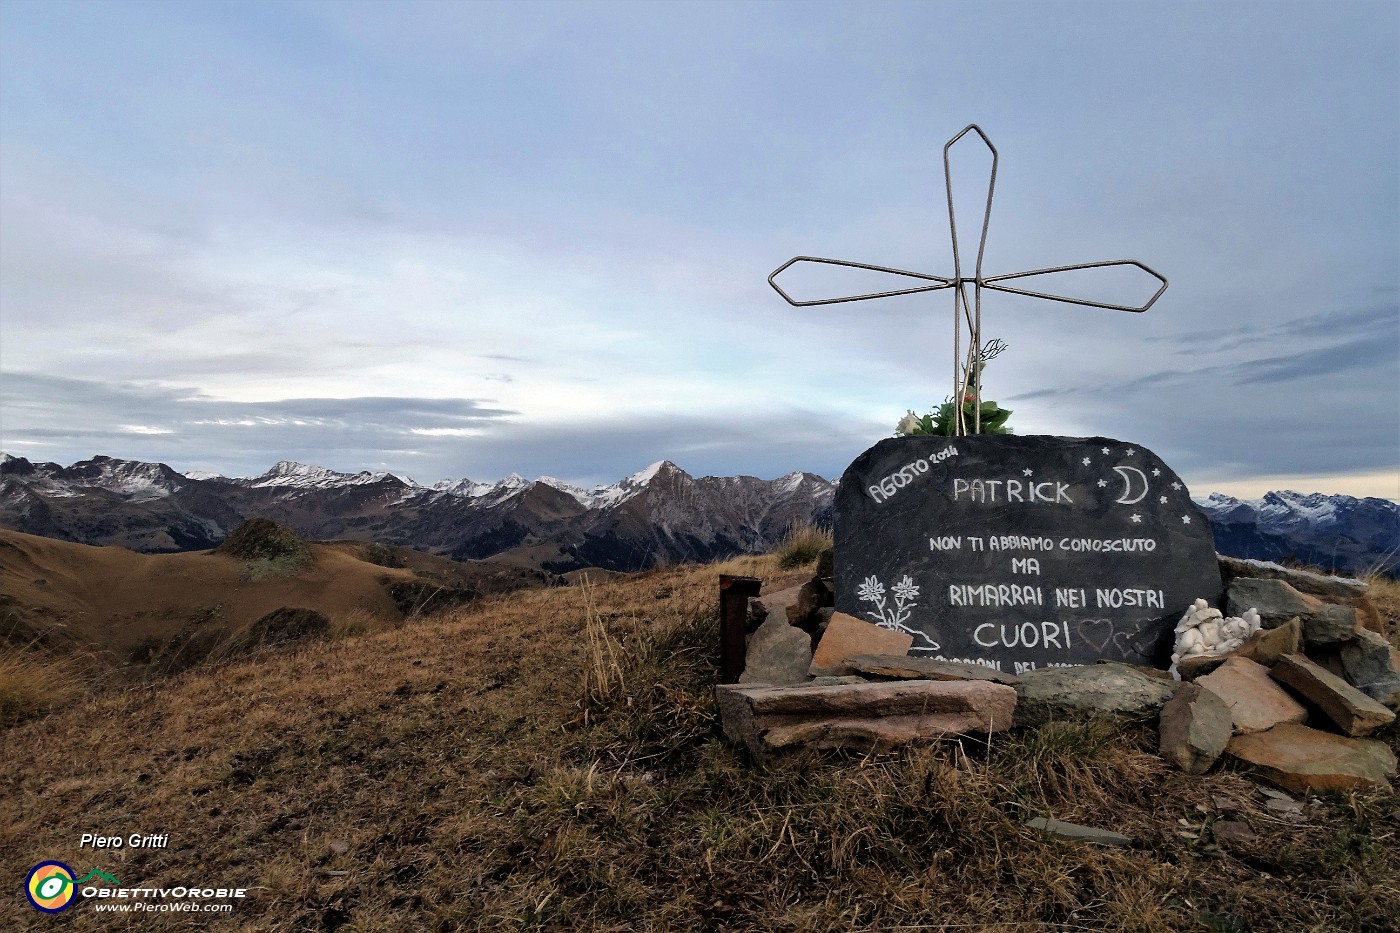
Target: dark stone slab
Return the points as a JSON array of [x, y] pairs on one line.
[[1022, 551], [1301, 580], [915, 668]]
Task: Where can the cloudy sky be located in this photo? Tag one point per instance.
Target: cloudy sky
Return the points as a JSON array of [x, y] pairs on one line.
[[464, 239]]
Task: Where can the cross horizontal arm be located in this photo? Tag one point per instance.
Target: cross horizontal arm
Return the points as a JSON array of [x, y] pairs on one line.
[[991, 281], [942, 282]]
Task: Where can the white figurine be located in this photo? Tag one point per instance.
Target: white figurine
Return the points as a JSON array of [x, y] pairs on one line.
[[1205, 631]]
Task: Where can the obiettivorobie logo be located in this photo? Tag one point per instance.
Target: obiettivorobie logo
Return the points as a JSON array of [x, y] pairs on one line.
[[51, 885]]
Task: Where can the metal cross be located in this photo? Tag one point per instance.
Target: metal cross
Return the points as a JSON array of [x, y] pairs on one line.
[[963, 369]]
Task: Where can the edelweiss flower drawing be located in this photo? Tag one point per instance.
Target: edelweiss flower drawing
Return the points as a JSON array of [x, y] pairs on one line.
[[872, 591]]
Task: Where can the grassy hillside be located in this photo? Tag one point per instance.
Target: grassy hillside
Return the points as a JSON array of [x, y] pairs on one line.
[[120, 607], [551, 760]]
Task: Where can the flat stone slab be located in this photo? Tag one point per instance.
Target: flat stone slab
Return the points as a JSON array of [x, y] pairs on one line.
[[1354, 712], [1109, 689], [1256, 703], [913, 667], [1078, 832], [872, 716], [846, 636], [1301, 580], [1301, 760]]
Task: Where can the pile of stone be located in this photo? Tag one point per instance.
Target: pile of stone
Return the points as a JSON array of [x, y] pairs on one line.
[[1294, 700], [1297, 698]]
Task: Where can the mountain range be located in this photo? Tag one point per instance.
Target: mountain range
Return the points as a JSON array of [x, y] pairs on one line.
[[1343, 533], [658, 515]]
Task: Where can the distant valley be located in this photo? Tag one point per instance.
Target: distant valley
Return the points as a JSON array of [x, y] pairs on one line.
[[656, 516]]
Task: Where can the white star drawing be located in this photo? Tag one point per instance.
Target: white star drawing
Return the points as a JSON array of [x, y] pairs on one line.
[[1137, 518], [1026, 472], [1086, 461], [1105, 450], [1131, 451], [1176, 485], [1186, 519], [1156, 472], [1103, 483], [1162, 499]]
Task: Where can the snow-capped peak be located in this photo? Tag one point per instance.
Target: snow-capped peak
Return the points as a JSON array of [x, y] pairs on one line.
[[463, 488], [642, 477], [636, 483], [134, 479], [289, 473], [570, 489], [791, 481], [470, 489], [203, 474]]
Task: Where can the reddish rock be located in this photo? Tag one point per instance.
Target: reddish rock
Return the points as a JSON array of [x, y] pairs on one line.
[[786, 604], [1266, 646], [1303, 760], [846, 636], [1256, 703], [1367, 615], [1353, 711], [1195, 728], [877, 716]]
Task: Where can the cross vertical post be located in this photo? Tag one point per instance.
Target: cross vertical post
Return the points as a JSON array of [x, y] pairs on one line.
[[965, 368]]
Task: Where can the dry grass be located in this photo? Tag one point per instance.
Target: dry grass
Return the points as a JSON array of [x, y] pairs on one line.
[[802, 545], [603, 674], [355, 622], [546, 761], [33, 683], [1385, 593]]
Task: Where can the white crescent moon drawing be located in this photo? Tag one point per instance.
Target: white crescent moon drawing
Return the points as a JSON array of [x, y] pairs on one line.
[[1127, 498]]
